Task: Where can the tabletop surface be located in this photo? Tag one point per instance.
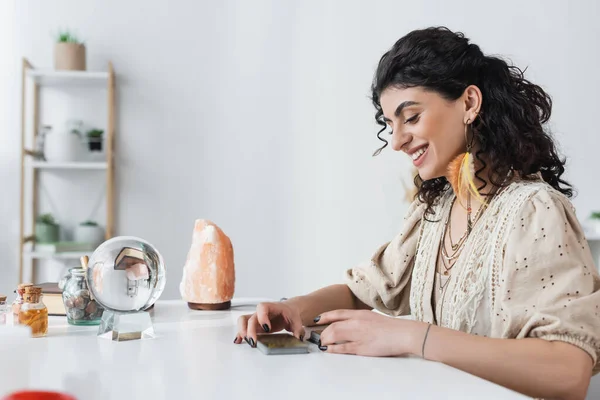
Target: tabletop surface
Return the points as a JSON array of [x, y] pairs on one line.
[[193, 356]]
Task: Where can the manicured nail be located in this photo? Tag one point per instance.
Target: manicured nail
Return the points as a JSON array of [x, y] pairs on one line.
[[302, 338], [252, 342], [323, 348], [317, 319], [246, 339], [266, 328], [235, 339]]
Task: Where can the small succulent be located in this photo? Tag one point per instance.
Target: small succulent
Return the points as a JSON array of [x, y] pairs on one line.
[[95, 133], [66, 37], [46, 219], [595, 215], [89, 223]]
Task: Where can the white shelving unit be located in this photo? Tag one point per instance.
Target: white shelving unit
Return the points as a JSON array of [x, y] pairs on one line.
[[60, 79], [68, 78], [594, 242], [67, 255], [67, 165]]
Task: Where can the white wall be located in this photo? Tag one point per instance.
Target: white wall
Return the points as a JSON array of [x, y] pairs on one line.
[[9, 149], [256, 115]]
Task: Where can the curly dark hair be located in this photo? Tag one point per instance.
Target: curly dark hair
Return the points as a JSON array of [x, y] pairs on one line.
[[509, 129]]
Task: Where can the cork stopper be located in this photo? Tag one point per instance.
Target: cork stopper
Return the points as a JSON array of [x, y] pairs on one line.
[[2, 297], [84, 262], [32, 294], [22, 286]]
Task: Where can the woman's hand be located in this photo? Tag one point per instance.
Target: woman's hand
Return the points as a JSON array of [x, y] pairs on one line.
[[269, 318], [367, 333]]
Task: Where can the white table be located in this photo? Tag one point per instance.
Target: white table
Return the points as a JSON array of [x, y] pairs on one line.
[[193, 357]]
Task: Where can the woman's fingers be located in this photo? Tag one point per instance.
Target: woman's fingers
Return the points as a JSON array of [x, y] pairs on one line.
[[253, 330], [237, 339], [340, 315], [339, 332], [296, 327], [269, 318], [264, 314], [242, 325], [344, 348]]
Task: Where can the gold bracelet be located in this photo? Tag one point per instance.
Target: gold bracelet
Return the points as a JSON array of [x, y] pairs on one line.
[[425, 340]]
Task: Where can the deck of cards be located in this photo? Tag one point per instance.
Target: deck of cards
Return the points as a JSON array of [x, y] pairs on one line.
[[315, 336], [280, 343]]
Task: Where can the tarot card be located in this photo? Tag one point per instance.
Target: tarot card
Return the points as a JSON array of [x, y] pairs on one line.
[[280, 343]]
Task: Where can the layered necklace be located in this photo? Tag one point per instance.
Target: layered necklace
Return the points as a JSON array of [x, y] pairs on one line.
[[449, 259]]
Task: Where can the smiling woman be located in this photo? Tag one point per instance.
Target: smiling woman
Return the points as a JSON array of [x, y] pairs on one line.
[[491, 262], [436, 77]]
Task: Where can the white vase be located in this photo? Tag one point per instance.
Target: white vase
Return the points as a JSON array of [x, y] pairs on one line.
[[62, 146], [89, 234]]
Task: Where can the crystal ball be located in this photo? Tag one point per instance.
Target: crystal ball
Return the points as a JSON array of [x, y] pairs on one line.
[[126, 274]]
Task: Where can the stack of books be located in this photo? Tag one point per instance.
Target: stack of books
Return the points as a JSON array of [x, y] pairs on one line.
[[52, 298]]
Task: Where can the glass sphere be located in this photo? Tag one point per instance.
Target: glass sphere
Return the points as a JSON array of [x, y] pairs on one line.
[[126, 274]]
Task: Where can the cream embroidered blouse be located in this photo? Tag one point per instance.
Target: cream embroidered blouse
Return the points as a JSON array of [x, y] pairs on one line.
[[526, 271]]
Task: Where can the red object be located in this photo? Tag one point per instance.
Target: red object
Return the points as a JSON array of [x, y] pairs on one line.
[[38, 395]]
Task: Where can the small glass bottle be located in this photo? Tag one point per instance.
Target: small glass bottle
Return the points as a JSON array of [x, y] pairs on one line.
[[3, 309], [16, 304], [34, 312]]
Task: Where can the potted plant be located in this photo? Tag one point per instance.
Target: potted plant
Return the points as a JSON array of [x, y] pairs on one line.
[[69, 52], [46, 229], [95, 139], [89, 232]]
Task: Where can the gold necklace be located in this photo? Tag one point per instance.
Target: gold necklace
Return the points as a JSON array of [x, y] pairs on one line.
[[463, 238], [448, 271], [449, 260]]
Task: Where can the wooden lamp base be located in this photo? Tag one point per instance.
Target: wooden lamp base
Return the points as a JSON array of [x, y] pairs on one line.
[[210, 307]]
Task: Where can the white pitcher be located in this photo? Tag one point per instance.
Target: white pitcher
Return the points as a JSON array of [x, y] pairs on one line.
[[64, 145]]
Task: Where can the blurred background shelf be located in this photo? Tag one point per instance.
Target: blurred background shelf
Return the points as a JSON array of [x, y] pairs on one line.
[[67, 165], [33, 121], [67, 255], [68, 78]]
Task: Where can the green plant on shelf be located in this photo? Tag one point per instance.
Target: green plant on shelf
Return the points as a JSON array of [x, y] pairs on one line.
[[95, 139], [67, 37], [46, 219], [89, 223], [95, 133]]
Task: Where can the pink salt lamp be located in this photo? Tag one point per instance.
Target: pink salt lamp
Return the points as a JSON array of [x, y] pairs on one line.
[[208, 280]]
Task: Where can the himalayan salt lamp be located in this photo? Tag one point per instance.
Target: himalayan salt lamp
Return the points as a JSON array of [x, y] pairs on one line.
[[208, 280]]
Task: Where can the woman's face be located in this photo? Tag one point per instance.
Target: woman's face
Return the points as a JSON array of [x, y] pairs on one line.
[[427, 127]]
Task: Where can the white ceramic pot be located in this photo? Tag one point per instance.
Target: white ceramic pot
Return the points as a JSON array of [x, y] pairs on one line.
[[62, 146], [89, 234]]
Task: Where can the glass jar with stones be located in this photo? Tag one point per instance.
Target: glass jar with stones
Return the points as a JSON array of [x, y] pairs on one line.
[[81, 308]]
